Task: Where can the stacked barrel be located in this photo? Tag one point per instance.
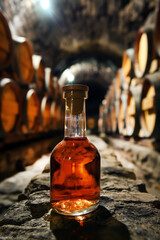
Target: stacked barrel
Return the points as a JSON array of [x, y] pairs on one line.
[[30, 96], [134, 108]]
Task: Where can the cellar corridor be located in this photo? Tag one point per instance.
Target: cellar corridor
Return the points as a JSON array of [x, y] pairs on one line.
[[105, 186]]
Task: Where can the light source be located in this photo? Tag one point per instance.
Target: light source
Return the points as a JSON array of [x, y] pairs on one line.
[[69, 75], [45, 4]]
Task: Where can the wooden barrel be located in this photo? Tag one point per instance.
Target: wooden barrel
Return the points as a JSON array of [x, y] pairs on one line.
[[56, 88], [54, 115], [113, 118], [157, 30], [39, 72], [46, 113], [133, 111], [112, 90], [6, 44], [10, 106], [150, 106], [91, 123], [128, 67], [122, 113], [108, 120], [121, 118], [31, 112], [22, 67], [49, 83], [119, 82], [101, 120], [145, 53], [136, 81]]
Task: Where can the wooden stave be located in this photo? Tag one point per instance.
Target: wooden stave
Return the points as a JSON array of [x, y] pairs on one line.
[[25, 124], [119, 81], [151, 51], [49, 83], [54, 115], [120, 120], [8, 32], [122, 111], [157, 31], [128, 53], [19, 42], [16, 88], [39, 64], [113, 118], [46, 99], [152, 79], [136, 93]]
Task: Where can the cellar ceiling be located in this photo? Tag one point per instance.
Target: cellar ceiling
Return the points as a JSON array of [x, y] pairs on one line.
[[70, 30]]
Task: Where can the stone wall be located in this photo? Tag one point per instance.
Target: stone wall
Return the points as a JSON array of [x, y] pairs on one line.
[[83, 26]]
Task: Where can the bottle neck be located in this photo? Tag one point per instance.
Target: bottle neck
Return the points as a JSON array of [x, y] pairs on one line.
[[75, 124]]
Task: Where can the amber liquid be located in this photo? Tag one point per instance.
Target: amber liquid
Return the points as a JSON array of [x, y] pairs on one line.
[[75, 176]]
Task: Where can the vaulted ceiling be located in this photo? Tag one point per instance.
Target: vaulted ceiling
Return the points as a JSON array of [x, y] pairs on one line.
[[70, 30], [86, 36]]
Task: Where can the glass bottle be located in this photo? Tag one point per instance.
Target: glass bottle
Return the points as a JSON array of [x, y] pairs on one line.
[[75, 162]]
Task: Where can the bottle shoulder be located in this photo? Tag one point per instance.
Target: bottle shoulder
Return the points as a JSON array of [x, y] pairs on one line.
[[75, 149]]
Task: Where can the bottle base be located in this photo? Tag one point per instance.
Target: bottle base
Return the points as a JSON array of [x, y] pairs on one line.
[[74, 207]]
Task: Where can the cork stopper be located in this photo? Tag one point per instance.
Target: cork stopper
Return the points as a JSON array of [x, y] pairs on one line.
[[75, 95]]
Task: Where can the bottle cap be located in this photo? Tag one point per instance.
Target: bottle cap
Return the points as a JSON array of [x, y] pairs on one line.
[[75, 95]]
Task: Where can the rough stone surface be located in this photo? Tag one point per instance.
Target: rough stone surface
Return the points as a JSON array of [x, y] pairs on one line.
[[25, 232], [39, 203], [17, 214], [143, 157], [126, 210], [40, 182], [73, 27]]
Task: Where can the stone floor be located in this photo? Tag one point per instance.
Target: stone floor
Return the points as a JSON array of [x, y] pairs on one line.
[[126, 210]]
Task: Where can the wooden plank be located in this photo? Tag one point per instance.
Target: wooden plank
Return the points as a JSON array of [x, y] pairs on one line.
[[32, 111], [9, 107], [147, 103], [131, 110], [46, 114], [4, 45]]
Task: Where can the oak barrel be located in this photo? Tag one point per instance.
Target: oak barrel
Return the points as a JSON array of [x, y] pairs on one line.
[[46, 113], [157, 29], [54, 115], [10, 106], [145, 53], [150, 106], [121, 117], [49, 83], [101, 119], [113, 118], [133, 111], [56, 88], [128, 67], [108, 120], [39, 72], [6, 43], [22, 66], [122, 113], [31, 111], [119, 82]]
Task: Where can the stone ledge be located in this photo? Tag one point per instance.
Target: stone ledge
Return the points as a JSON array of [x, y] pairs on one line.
[[126, 210]]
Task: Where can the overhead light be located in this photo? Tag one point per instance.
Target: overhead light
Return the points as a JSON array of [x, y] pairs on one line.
[[69, 75], [45, 4]]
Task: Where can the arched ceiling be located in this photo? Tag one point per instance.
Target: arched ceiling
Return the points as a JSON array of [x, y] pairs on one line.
[[75, 29]]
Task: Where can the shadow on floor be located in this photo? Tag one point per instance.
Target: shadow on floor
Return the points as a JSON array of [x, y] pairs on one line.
[[99, 225]]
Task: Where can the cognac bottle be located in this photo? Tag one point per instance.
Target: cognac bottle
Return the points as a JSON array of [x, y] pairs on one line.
[[75, 162]]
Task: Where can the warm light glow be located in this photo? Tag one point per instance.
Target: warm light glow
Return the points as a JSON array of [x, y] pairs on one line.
[[45, 4], [69, 75]]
